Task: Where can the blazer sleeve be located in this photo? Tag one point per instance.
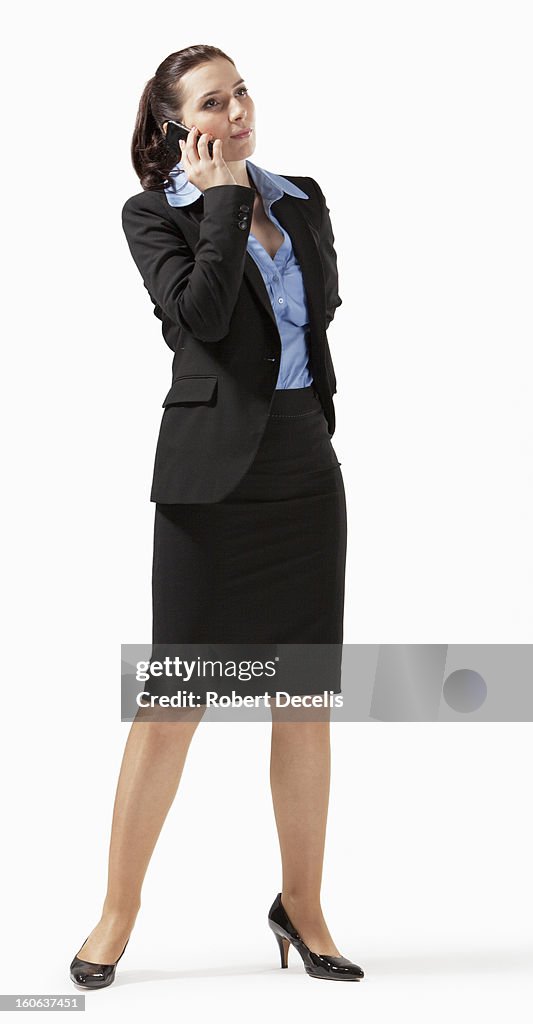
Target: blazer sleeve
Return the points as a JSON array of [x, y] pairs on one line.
[[329, 258], [196, 290]]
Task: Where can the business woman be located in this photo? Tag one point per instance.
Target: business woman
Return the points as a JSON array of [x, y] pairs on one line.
[[250, 515]]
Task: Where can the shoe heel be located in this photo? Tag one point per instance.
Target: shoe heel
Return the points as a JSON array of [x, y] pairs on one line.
[[283, 945]]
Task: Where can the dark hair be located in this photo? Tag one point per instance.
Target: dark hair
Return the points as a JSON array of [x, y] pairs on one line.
[[161, 100]]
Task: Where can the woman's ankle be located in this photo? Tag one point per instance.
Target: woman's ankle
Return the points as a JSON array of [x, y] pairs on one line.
[[120, 914], [308, 905]]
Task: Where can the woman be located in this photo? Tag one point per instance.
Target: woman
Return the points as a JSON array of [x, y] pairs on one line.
[[250, 517]]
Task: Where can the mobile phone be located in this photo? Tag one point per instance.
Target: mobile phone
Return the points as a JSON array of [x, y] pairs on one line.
[[176, 130]]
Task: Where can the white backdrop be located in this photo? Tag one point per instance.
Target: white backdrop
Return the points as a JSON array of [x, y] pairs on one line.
[[415, 119]]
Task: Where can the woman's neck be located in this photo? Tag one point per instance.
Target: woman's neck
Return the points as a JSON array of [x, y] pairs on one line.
[[240, 173]]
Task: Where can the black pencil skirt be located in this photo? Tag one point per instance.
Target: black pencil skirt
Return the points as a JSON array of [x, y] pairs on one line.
[[266, 564]]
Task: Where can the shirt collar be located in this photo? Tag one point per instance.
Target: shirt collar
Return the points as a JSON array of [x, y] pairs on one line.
[[181, 192]]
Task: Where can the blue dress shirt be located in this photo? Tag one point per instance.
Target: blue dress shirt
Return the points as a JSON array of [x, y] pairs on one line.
[[282, 274]]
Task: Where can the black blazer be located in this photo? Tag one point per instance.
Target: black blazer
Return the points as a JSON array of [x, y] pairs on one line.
[[218, 320]]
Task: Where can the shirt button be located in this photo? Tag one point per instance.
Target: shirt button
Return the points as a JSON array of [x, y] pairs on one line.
[[280, 301], [275, 278]]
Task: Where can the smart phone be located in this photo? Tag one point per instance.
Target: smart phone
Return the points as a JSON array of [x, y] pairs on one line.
[[176, 130]]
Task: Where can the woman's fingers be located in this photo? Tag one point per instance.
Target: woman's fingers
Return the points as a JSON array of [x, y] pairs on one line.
[[203, 169], [196, 140], [190, 146], [203, 151], [184, 154], [196, 146]]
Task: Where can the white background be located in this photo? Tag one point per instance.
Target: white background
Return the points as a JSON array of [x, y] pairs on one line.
[[415, 118]]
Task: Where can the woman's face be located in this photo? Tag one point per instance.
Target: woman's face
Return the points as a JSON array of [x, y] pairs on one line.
[[228, 111]]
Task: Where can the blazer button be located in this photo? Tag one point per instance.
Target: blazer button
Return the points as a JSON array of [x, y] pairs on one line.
[[243, 224], [244, 208]]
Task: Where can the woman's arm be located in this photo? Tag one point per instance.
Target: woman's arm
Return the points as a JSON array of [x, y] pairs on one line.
[[197, 290], [329, 258]]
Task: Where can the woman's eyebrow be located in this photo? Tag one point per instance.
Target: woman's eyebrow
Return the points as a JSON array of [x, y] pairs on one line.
[[214, 92]]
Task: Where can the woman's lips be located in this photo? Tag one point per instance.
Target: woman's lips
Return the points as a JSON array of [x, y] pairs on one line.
[[242, 135]]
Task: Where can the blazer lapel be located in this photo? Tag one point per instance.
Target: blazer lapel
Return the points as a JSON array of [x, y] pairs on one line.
[[288, 211], [305, 240]]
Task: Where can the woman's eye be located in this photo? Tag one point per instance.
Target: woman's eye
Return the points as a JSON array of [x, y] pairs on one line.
[[242, 89]]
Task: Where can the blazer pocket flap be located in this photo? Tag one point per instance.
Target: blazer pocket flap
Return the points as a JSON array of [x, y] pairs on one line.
[[191, 389]]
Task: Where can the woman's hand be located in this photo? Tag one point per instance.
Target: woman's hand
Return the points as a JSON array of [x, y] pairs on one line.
[[203, 170]]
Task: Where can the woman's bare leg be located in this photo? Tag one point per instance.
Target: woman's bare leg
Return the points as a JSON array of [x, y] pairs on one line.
[[299, 779], [152, 765]]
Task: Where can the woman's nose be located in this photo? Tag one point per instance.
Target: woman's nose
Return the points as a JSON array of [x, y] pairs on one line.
[[237, 111]]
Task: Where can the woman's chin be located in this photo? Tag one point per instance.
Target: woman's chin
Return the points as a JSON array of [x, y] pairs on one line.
[[241, 152]]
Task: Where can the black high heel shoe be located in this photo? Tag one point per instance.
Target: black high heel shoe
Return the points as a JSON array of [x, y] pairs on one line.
[[88, 975], [317, 965]]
